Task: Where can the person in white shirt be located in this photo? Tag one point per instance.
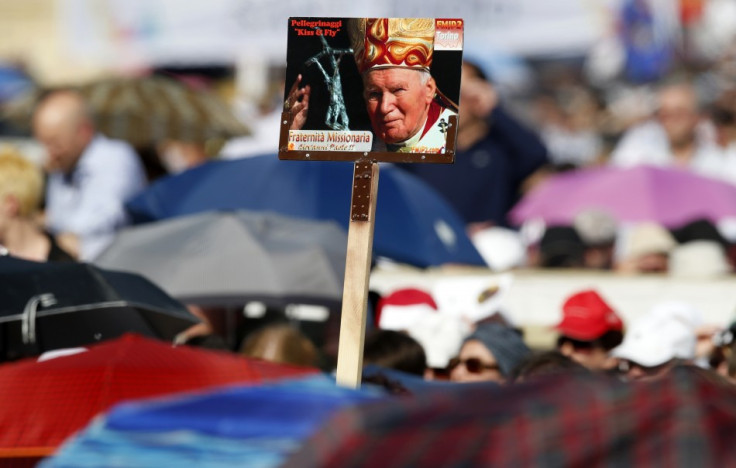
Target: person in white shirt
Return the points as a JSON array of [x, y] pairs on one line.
[[676, 136], [90, 176]]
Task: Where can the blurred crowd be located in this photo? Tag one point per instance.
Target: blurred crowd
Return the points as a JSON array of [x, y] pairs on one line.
[[410, 339], [674, 109], [591, 337]]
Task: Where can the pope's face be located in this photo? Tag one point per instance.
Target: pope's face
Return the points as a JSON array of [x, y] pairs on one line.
[[397, 101]]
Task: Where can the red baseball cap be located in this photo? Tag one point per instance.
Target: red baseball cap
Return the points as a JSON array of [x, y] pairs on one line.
[[586, 317]]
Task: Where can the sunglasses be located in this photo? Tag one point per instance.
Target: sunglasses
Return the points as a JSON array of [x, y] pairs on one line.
[[473, 365]]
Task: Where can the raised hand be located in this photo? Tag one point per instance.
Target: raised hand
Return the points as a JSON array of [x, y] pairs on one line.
[[297, 103]]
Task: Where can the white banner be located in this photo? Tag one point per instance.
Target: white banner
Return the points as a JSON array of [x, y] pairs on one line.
[[328, 140]]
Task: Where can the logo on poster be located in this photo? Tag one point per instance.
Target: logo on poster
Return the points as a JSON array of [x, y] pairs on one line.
[[448, 34]]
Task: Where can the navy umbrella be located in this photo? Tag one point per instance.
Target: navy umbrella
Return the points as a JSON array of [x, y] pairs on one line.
[[414, 224], [13, 82], [253, 426]]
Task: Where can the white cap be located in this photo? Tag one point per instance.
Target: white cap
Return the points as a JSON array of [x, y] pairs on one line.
[[678, 310], [699, 259], [473, 298], [401, 309], [727, 227], [415, 312], [649, 238], [596, 226], [501, 248], [441, 336], [660, 336]]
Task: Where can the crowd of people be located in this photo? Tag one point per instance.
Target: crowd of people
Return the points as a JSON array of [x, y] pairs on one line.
[[510, 142], [506, 146], [411, 339]]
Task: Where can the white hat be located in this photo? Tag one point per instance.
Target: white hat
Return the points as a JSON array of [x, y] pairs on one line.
[[414, 311], [678, 310], [501, 248], [473, 299], [649, 238], [660, 336], [441, 336], [699, 259], [595, 226]]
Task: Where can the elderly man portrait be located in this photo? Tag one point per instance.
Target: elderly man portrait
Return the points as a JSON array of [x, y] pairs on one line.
[[407, 111]]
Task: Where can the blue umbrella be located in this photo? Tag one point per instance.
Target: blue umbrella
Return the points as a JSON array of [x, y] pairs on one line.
[[414, 224], [255, 426], [13, 82]]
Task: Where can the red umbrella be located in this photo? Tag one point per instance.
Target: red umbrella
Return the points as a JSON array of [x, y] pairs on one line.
[[684, 419], [45, 402]]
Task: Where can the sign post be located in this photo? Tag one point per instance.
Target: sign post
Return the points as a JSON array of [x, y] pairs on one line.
[[357, 274], [369, 90]]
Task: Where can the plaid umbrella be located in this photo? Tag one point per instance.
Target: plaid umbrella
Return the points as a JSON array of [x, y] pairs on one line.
[[45, 402], [685, 420], [145, 110], [155, 108]]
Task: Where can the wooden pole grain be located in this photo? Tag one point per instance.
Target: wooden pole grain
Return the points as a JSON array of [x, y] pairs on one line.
[[357, 274]]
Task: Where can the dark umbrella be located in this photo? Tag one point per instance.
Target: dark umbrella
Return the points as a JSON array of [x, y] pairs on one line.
[[414, 224], [46, 306], [685, 419], [227, 258]]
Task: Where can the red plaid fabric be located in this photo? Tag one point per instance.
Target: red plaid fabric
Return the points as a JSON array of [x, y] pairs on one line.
[[42, 403], [684, 420]]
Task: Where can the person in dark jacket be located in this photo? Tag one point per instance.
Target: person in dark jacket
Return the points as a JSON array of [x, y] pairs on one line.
[[495, 155]]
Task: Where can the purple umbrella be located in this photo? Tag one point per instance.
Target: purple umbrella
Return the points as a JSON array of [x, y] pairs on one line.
[[671, 197]]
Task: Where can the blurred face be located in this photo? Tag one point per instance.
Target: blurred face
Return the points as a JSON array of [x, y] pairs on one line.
[[62, 144], [397, 102], [630, 370], [477, 95], [678, 114], [590, 357], [652, 263], [64, 133], [475, 363]]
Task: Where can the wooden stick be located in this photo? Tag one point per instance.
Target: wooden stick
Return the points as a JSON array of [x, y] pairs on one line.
[[357, 275]]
